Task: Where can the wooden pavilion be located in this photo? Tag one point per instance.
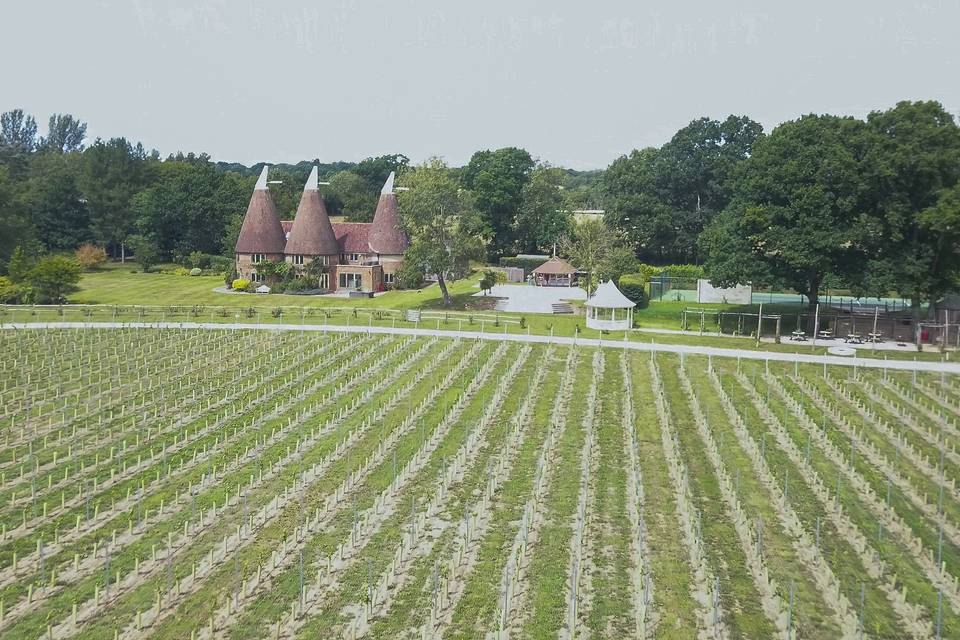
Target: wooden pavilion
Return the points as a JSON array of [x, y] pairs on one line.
[[555, 272]]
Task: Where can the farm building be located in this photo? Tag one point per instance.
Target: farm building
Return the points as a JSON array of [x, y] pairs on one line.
[[354, 256]]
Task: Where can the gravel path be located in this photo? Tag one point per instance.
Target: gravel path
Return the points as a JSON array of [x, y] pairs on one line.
[[721, 352]]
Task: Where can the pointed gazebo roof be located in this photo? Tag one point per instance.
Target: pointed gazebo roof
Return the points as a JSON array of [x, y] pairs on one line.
[[386, 235], [261, 231], [607, 296], [311, 233]]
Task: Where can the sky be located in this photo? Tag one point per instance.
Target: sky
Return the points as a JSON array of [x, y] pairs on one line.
[[575, 83]]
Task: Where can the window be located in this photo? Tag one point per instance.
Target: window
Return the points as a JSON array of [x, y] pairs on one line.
[[388, 278], [354, 256], [324, 281], [323, 260], [258, 257], [350, 280], [257, 277], [298, 260]]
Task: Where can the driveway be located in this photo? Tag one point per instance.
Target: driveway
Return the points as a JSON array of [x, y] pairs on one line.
[[525, 298]]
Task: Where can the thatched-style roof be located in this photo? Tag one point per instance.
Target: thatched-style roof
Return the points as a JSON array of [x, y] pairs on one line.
[[311, 233], [261, 231], [555, 266], [386, 235]]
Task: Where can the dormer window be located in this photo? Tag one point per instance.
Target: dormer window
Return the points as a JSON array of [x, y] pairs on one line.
[[257, 258], [298, 260]]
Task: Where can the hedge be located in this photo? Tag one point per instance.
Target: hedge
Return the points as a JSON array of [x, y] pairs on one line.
[[527, 264], [633, 285], [683, 271]]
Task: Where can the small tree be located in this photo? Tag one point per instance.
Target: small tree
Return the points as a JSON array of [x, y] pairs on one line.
[[19, 265], [54, 278], [588, 247], [488, 280], [90, 256], [145, 251]]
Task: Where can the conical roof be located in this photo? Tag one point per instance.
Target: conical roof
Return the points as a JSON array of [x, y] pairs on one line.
[[261, 231], [607, 296], [311, 233], [386, 235]]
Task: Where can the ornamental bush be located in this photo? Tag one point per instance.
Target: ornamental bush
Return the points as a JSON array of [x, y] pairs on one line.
[[195, 271], [90, 256], [240, 284], [181, 271]]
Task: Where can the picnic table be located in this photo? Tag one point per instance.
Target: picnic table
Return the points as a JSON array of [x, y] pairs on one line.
[[799, 335], [854, 338], [875, 337], [826, 334]]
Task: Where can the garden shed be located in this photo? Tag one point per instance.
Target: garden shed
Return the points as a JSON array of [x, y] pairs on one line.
[[609, 309]]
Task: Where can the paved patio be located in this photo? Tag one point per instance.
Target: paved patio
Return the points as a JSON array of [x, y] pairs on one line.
[[524, 298]]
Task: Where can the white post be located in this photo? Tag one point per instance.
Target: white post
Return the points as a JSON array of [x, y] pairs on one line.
[[816, 324]]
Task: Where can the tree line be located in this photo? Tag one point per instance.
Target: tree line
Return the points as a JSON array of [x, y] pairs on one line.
[[869, 205]]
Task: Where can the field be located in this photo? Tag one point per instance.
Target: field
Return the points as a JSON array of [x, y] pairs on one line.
[[250, 484]]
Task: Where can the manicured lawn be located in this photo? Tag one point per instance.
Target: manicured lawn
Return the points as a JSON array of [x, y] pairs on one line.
[[121, 287]]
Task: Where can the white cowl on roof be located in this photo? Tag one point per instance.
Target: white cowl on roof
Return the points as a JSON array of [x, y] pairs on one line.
[[607, 296]]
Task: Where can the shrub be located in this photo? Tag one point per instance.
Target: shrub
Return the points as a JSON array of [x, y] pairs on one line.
[[220, 264], [633, 285], [90, 256], [240, 284], [195, 271], [9, 292], [229, 277], [298, 284], [276, 312], [181, 271]]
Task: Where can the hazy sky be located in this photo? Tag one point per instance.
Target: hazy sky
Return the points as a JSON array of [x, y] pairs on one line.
[[576, 84]]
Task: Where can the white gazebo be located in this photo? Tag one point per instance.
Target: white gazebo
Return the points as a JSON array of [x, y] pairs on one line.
[[608, 309]]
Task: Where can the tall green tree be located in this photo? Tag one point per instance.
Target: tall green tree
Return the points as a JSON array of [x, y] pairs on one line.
[[442, 222], [18, 139], [544, 216], [111, 173], [800, 201], [354, 195], [915, 165], [496, 179], [185, 209], [15, 227], [55, 203], [662, 199], [64, 134]]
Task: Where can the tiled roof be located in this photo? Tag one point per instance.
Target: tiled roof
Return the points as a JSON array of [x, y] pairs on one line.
[[261, 231], [311, 233], [386, 235], [353, 237]]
